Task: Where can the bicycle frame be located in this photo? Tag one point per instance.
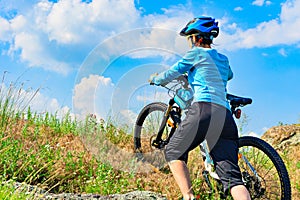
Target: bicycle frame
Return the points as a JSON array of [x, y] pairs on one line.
[[158, 142]]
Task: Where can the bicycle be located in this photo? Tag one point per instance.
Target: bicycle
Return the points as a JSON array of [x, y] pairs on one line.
[[263, 171]]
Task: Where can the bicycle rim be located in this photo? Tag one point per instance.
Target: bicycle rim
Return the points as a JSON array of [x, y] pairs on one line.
[[263, 171], [146, 129]]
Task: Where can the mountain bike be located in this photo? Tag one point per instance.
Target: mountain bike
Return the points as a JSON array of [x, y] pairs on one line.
[[263, 171]]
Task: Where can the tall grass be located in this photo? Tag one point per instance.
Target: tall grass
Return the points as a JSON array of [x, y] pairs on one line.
[[43, 150]]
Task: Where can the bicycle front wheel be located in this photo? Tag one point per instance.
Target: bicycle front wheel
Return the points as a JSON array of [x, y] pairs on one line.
[[145, 131], [263, 170]]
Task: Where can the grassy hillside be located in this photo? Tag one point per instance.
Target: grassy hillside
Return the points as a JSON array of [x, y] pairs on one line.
[[48, 152], [64, 155]]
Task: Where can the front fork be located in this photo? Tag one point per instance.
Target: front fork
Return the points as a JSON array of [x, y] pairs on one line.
[[158, 142]]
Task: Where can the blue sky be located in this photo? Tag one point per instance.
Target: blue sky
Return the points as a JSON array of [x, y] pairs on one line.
[[96, 56]]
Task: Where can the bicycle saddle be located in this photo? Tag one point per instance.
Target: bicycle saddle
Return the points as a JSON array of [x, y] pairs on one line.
[[238, 101]]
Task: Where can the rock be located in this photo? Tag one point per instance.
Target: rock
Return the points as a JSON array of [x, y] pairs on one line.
[[37, 193], [282, 137], [138, 195]]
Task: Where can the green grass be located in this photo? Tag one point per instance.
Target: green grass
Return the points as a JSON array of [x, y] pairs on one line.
[[44, 150], [47, 151], [8, 193]]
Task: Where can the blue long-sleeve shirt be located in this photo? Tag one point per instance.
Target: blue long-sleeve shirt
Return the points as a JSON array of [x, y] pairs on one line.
[[208, 73]]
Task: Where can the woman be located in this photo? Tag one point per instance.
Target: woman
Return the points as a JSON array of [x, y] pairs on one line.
[[209, 117]]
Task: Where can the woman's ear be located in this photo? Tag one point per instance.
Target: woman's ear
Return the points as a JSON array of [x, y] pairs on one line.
[[200, 40]]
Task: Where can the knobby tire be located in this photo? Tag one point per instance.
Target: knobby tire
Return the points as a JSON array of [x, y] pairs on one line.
[[271, 153]]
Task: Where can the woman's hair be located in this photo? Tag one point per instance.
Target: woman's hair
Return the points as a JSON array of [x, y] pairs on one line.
[[205, 40]]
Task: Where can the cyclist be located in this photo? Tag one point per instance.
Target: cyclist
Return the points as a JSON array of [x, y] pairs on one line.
[[209, 117]]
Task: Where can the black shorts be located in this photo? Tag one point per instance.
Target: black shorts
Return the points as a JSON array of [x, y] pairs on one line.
[[215, 124]]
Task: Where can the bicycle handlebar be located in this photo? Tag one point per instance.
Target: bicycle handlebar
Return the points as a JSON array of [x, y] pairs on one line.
[[235, 101]]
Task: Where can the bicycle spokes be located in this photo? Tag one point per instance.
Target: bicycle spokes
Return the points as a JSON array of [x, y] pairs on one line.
[[259, 174]]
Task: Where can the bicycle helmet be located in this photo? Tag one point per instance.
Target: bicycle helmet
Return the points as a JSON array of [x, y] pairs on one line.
[[204, 26]]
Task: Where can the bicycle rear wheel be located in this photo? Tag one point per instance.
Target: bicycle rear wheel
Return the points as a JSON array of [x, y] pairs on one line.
[[263, 170], [146, 128]]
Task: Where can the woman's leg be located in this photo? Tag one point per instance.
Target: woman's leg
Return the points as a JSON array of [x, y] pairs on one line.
[[186, 137], [182, 178], [240, 192]]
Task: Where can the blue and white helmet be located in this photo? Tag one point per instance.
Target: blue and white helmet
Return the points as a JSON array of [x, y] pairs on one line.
[[204, 26]]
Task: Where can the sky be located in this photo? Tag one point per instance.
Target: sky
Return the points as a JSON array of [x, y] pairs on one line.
[[95, 56]]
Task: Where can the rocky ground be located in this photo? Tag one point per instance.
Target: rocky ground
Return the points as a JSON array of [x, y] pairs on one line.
[[40, 194]]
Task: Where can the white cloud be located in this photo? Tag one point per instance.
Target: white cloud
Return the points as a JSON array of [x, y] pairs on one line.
[[144, 42], [282, 30], [93, 96], [173, 18], [128, 117], [22, 98], [238, 8], [34, 51], [5, 31], [30, 44], [41, 104], [73, 21], [254, 134], [282, 52], [258, 2], [155, 96], [40, 35], [268, 3], [42, 32]]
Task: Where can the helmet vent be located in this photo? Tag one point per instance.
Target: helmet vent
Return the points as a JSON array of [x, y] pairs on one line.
[[209, 24]]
